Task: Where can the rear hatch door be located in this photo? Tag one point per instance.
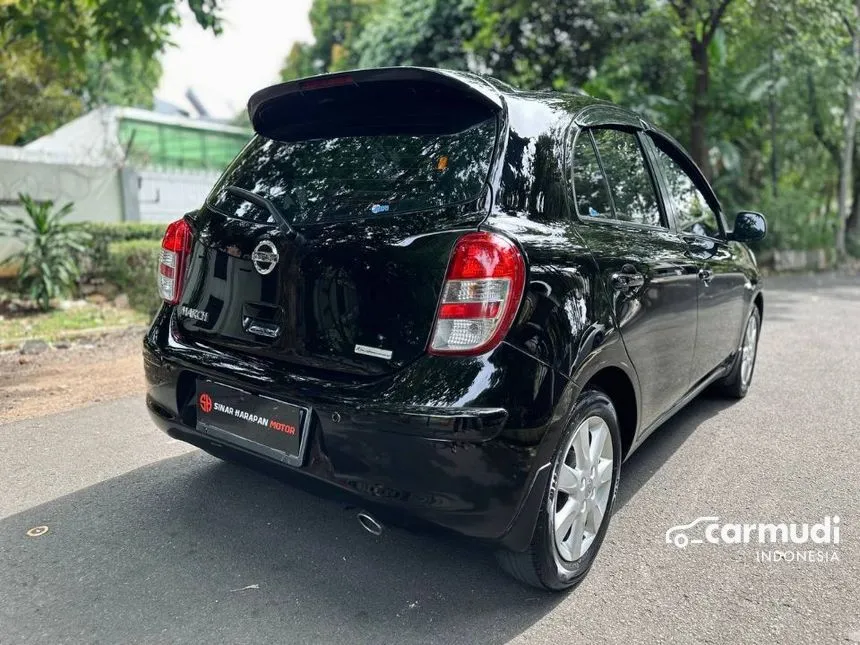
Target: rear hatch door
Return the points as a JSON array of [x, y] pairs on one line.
[[369, 197]]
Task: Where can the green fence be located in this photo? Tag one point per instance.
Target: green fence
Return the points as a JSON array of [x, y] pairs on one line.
[[172, 146]]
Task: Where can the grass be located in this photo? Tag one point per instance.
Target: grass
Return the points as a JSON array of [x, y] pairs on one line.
[[53, 325]]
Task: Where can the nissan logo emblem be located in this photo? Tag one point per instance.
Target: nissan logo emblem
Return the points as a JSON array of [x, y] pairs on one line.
[[265, 257]]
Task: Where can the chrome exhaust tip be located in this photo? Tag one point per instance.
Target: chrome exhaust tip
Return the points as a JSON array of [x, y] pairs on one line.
[[369, 523]]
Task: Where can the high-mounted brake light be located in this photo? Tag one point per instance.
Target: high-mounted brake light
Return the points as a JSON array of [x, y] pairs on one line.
[[481, 295], [326, 81], [175, 249]]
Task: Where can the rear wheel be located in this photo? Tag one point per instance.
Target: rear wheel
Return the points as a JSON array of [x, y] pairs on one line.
[[737, 383], [578, 501]]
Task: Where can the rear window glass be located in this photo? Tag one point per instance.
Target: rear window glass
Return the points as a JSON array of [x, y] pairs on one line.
[[324, 180]]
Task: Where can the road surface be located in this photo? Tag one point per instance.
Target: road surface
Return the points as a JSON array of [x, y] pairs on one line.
[[149, 541]]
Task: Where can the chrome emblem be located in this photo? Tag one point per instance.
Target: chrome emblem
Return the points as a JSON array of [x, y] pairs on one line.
[[265, 257]]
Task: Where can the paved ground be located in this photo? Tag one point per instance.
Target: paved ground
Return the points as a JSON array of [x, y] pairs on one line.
[[149, 542]]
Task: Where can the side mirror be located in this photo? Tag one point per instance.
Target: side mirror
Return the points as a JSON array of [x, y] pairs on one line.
[[749, 227]]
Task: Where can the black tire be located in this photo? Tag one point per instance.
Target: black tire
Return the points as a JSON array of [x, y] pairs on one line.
[[733, 385], [541, 565]]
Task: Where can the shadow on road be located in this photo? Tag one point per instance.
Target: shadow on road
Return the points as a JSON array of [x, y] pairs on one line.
[[191, 548], [663, 443], [165, 553]]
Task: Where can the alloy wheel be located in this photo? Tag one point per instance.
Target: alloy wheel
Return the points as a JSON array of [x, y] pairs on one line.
[[748, 350], [583, 486]]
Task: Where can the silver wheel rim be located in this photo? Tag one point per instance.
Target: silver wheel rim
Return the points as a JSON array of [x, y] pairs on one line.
[[583, 484], [748, 350]]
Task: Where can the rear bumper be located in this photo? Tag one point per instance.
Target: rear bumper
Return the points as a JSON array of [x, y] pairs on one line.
[[458, 443]]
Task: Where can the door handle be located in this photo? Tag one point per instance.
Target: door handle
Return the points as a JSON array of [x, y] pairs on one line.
[[705, 275], [625, 282]]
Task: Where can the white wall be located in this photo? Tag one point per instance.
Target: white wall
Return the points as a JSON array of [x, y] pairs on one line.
[[167, 196], [95, 190]]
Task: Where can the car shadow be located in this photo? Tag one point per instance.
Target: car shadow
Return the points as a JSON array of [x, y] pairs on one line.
[[192, 549], [664, 442]]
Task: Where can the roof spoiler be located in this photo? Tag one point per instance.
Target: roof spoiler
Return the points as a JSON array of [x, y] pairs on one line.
[[393, 100]]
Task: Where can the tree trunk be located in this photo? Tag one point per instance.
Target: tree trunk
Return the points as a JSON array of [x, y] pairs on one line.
[[698, 124], [772, 108], [852, 224], [848, 145]]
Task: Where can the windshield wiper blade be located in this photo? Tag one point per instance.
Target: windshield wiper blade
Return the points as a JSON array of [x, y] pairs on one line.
[[262, 202]]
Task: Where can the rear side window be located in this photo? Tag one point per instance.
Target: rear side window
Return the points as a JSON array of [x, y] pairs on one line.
[[629, 178], [589, 184], [349, 177], [692, 210]]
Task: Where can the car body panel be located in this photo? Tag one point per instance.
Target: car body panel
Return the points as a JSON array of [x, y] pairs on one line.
[[466, 442]]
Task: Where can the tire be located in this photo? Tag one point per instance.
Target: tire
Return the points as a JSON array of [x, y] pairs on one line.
[[735, 386], [543, 564]]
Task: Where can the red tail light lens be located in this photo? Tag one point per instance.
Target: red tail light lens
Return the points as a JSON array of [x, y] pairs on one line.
[[481, 295], [175, 249]]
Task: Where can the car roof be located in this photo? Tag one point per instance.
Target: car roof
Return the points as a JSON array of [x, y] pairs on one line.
[[533, 110], [551, 106]]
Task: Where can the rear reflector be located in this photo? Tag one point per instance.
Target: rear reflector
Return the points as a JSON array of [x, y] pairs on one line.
[[482, 293], [175, 249]]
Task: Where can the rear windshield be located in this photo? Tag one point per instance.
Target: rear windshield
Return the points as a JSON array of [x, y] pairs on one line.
[[324, 180]]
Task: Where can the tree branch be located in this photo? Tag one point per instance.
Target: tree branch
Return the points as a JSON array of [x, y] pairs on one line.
[[714, 21], [680, 8]]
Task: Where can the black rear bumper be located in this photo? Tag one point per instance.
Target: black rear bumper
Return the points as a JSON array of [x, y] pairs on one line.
[[468, 454]]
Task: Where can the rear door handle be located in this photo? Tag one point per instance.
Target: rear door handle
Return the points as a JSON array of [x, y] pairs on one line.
[[624, 282], [705, 275]]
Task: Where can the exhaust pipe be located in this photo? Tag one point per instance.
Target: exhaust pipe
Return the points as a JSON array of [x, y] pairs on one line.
[[369, 523]]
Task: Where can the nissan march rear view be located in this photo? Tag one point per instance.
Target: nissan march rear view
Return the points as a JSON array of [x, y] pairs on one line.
[[453, 302]]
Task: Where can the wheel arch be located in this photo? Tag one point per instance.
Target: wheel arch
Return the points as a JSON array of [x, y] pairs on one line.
[[758, 301], [618, 385]]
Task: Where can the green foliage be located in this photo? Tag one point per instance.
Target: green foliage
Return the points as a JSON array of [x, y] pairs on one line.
[[67, 28], [103, 234], [129, 81], [768, 125], [132, 266], [34, 95], [549, 45], [335, 25], [299, 63], [418, 32], [46, 265], [59, 59], [797, 220]]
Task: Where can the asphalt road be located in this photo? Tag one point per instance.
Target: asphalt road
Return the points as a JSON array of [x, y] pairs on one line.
[[150, 542]]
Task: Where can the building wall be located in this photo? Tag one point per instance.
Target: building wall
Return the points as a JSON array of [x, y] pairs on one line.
[[167, 196], [95, 190]]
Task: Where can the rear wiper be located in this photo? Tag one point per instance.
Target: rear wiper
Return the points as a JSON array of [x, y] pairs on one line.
[[262, 202]]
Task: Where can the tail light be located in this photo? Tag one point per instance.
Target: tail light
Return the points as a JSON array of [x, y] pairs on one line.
[[175, 249], [481, 295]]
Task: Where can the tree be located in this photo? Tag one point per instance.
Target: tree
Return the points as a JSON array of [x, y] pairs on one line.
[[549, 45], [299, 63], [34, 92], [849, 138], [418, 32], [66, 28], [699, 25], [130, 80], [336, 24], [59, 58]]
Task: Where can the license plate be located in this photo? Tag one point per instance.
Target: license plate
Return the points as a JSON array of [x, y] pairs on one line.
[[269, 427]]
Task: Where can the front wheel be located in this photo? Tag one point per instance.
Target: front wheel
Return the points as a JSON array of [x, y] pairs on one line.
[[737, 383], [578, 501]]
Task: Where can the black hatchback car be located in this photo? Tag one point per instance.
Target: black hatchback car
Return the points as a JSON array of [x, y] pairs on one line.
[[453, 300]]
